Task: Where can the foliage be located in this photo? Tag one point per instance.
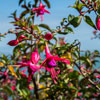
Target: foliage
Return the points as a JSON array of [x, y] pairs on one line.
[[68, 73]]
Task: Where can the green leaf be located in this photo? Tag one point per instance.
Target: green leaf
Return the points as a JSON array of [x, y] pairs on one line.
[[68, 30], [70, 17], [35, 27], [88, 20], [45, 26], [20, 1], [24, 13], [8, 90], [76, 21], [80, 6], [73, 75], [47, 3]]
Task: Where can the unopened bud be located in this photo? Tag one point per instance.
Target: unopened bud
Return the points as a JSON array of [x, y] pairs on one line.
[[23, 28], [31, 26]]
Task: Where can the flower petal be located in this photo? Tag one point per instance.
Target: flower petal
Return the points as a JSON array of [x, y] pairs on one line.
[[62, 59], [47, 51], [35, 57]]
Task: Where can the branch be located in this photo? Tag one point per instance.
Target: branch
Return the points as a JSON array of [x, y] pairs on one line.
[[35, 88], [85, 76]]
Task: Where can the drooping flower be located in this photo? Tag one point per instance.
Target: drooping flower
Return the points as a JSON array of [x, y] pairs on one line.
[[40, 10], [31, 64], [48, 36], [98, 23], [50, 63], [13, 42]]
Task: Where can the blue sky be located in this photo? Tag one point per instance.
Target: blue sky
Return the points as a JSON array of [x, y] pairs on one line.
[[59, 9]]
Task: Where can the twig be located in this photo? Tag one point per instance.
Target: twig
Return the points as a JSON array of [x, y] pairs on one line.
[[35, 88]]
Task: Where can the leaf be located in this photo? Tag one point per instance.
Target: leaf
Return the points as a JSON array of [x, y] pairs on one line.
[[45, 26], [88, 20], [80, 6], [73, 75], [12, 71], [20, 1], [35, 27], [8, 90], [47, 3], [68, 30], [24, 13], [76, 21], [70, 17]]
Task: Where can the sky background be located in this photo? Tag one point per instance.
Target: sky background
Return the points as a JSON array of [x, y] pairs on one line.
[[59, 9]]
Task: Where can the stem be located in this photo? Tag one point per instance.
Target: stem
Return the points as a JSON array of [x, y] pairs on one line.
[[35, 88]]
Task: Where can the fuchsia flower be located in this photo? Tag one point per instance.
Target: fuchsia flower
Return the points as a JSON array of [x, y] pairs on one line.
[[50, 63], [31, 64], [98, 23], [48, 36], [40, 10]]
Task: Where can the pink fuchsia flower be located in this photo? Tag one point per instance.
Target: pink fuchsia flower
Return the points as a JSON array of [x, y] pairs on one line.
[[13, 42], [48, 36], [98, 23], [40, 10], [50, 63], [31, 64]]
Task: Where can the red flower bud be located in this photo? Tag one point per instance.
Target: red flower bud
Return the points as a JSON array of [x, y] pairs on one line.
[[13, 42], [98, 23], [13, 88], [23, 28], [48, 36], [31, 26]]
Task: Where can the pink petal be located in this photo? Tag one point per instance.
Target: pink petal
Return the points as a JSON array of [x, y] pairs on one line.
[[24, 70], [41, 17], [46, 11], [35, 57], [47, 51], [32, 66], [53, 74], [62, 59]]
